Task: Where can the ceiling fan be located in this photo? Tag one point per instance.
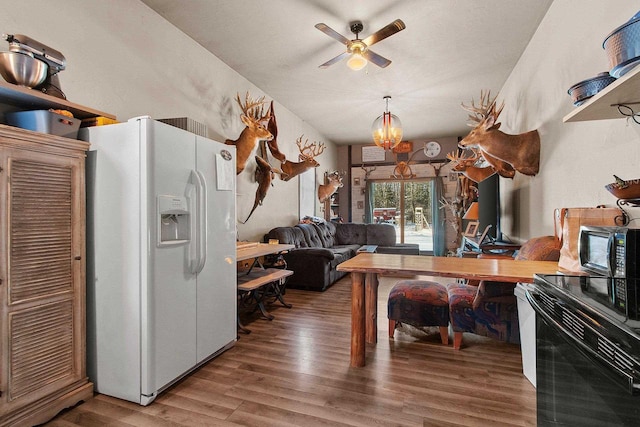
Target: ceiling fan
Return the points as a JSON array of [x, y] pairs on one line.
[[358, 49]]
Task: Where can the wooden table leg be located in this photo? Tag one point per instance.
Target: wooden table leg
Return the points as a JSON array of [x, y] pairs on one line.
[[371, 307], [357, 320]]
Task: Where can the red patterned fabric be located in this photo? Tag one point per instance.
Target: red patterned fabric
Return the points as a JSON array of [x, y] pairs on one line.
[[490, 309], [419, 303]]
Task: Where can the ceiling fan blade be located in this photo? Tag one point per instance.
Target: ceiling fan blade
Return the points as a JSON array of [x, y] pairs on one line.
[[380, 61], [334, 60], [332, 33], [385, 32]]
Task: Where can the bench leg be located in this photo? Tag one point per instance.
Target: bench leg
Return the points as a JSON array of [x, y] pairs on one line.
[[277, 291], [259, 298], [241, 328], [392, 327]]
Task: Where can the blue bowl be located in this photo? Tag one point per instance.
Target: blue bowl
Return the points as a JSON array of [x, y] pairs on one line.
[[585, 89]]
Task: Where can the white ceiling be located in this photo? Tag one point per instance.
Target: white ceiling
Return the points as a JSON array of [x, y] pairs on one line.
[[449, 52]]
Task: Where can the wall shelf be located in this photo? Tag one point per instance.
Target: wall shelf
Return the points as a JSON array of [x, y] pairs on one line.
[[603, 105], [18, 98]]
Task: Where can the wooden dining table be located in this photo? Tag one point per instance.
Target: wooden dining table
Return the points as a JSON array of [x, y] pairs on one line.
[[366, 267]]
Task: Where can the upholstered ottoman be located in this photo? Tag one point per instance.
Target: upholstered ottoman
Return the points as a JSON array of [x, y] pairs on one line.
[[419, 303], [461, 299]]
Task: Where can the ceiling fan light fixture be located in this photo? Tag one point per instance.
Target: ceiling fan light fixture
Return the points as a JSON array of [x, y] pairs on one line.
[[387, 129], [357, 62]]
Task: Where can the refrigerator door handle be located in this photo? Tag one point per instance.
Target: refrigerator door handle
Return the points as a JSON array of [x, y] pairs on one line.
[[202, 221], [192, 255]]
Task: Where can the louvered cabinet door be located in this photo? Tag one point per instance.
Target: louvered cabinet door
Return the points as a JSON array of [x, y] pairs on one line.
[[42, 230]]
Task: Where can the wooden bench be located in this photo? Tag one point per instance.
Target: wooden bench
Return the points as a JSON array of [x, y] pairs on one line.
[[259, 284]]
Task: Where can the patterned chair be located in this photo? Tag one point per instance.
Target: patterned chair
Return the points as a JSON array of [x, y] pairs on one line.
[[489, 308], [419, 303]]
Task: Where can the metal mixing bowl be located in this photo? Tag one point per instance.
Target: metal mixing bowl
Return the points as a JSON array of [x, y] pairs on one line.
[[584, 90], [622, 47], [22, 69]]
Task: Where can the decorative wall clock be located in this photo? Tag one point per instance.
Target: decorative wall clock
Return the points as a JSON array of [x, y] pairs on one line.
[[432, 149]]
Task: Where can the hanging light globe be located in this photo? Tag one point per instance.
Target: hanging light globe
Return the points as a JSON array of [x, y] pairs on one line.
[[387, 129]]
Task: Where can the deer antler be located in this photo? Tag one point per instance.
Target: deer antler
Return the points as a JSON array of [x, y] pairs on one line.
[[484, 110], [254, 130], [310, 150], [454, 156], [368, 170], [250, 107]]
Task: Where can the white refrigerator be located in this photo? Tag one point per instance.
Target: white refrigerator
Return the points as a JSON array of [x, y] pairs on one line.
[[161, 255]]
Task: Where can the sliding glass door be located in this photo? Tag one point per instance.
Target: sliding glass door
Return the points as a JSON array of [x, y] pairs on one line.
[[407, 205]]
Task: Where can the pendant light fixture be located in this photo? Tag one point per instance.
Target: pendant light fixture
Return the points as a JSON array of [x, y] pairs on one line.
[[387, 129]]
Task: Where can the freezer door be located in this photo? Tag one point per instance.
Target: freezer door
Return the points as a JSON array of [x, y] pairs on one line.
[[115, 250], [169, 293], [216, 287]]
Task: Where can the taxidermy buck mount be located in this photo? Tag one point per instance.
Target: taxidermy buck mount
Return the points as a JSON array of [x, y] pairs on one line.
[[307, 156], [334, 181], [402, 170], [467, 166], [272, 127], [254, 131], [521, 152], [264, 177]]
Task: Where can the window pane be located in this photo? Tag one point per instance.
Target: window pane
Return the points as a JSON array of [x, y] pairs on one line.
[[418, 216], [413, 215]]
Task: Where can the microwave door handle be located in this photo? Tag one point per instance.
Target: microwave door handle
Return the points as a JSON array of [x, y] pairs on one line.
[[631, 384], [611, 258]]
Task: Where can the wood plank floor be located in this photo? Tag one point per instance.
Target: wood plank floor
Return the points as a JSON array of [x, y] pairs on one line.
[[294, 371]]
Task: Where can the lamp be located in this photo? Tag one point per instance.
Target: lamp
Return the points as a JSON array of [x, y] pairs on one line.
[[473, 213], [356, 61], [387, 129]]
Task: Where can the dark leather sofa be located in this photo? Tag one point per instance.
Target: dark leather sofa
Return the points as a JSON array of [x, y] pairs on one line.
[[320, 247]]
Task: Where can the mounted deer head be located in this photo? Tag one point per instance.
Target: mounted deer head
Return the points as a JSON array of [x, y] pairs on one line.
[[402, 169], [334, 181], [272, 127], [307, 156], [521, 151], [467, 166], [254, 131], [264, 175]]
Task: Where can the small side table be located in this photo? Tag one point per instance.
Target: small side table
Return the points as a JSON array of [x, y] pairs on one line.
[[368, 248]]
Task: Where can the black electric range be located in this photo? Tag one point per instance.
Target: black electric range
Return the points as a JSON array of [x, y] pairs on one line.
[[587, 353]]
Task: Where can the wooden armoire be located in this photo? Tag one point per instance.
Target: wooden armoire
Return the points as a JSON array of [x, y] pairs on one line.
[[42, 276]]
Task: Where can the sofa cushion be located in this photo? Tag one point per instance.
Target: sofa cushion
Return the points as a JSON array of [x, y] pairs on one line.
[[381, 234], [351, 234], [310, 235], [314, 252], [339, 258], [288, 235], [345, 252], [326, 232]]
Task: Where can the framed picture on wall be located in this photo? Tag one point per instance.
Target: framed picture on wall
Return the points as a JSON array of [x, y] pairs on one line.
[[373, 154], [472, 229]]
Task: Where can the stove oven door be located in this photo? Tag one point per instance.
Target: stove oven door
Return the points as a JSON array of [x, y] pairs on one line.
[[576, 386]]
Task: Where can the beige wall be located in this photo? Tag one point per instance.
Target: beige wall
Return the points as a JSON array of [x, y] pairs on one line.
[[577, 159], [124, 59]]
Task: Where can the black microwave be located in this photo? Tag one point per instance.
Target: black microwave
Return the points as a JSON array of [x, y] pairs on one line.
[[609, 251]]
